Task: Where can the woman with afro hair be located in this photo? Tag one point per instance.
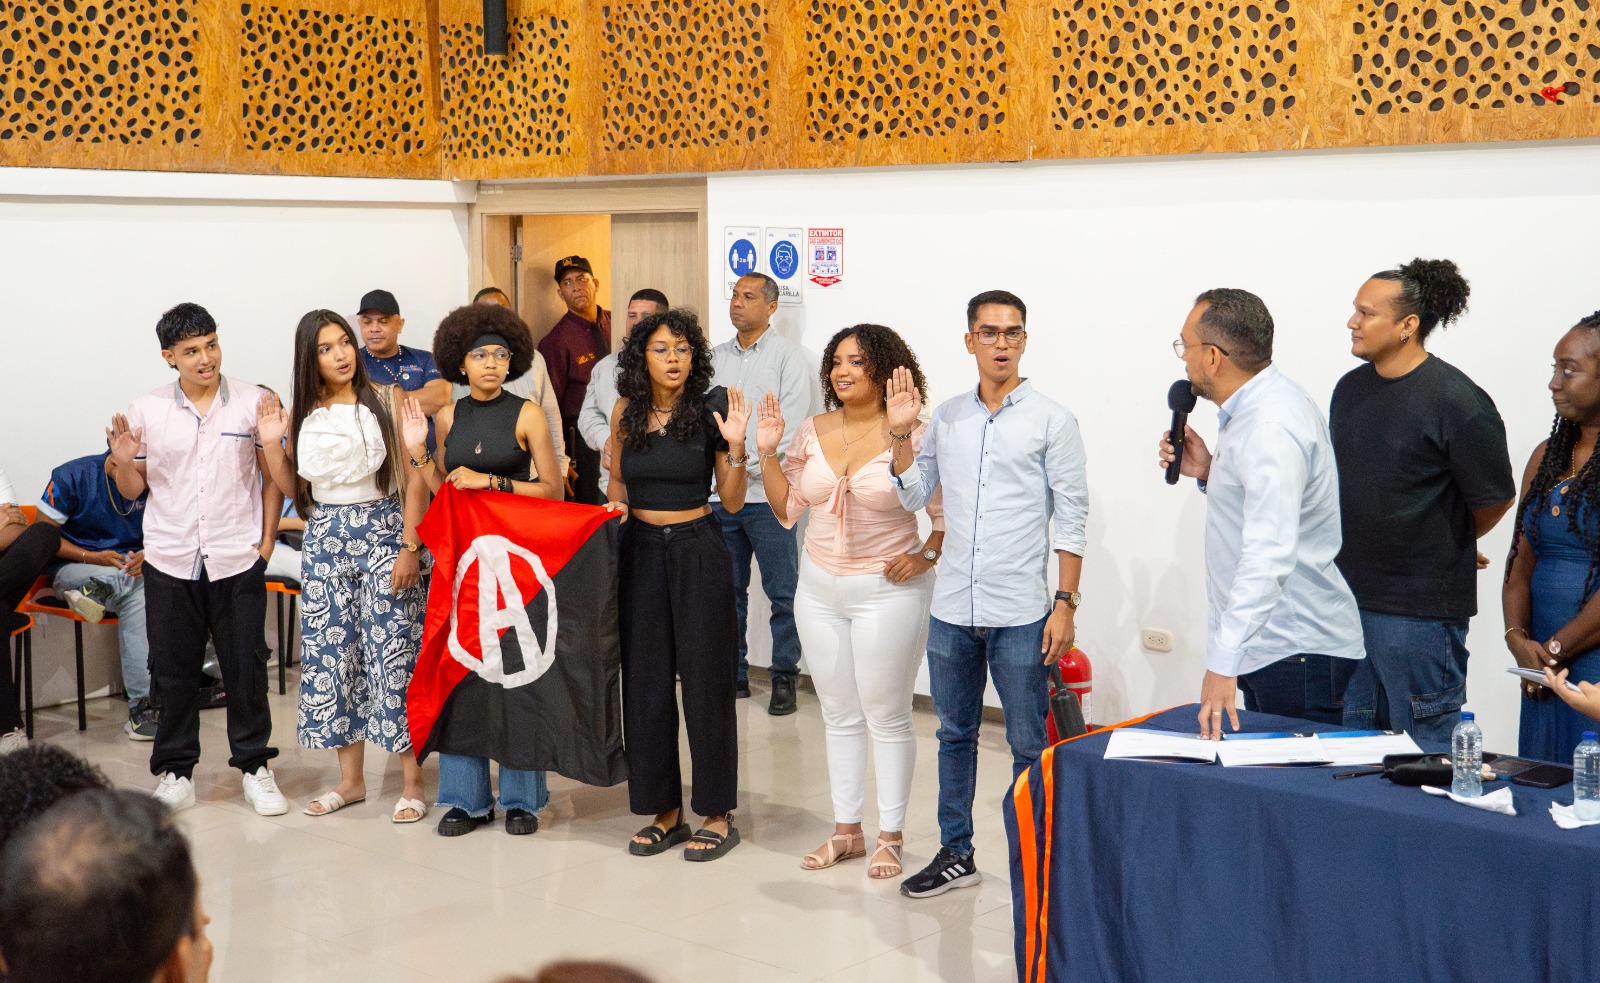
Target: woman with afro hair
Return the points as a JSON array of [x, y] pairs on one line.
[[489, 439], [866, 582]]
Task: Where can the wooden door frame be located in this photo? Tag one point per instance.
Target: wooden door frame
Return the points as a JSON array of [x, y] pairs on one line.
[[640, 197]]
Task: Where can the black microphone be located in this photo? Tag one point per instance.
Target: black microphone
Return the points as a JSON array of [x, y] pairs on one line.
[[1180, 400]]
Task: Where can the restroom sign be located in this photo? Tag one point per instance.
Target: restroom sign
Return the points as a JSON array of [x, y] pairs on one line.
[[741, 253], [825, 256], [784, 250]]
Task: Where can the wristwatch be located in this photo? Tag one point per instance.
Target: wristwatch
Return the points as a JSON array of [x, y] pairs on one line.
[[1553, 647], [931, 555], [1072, 597], [411, 547]]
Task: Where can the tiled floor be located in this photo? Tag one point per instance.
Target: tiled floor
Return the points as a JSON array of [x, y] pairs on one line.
[[351, 897]]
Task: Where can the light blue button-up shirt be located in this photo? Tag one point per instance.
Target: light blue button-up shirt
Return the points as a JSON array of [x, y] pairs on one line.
[[1005, 475], [1272, 532], [772, 364]]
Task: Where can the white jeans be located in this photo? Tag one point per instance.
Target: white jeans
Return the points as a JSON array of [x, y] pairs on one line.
[[863, 639]]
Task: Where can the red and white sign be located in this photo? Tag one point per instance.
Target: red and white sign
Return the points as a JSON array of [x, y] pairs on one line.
[[825, 256]]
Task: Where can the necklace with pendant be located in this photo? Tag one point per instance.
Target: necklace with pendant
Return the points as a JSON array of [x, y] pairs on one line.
[[1572, 472]]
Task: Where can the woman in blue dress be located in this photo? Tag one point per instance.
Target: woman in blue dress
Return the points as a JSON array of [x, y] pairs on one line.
[[1550, 598]]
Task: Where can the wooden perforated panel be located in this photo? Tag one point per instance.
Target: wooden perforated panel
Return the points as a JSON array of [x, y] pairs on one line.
[[904, 68], [683, 75], [516, 106], [332, 82], [112, 72], [1487, 55], [1152, 64]]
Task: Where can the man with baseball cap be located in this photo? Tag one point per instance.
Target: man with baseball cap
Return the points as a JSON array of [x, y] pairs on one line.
[[580, 339], [390, 363]]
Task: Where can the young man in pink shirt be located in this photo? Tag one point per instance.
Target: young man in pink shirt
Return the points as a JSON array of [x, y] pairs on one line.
[[208, 529]]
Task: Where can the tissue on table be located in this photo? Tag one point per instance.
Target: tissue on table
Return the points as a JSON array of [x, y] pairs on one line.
[[1497, 801], [1567, 819]]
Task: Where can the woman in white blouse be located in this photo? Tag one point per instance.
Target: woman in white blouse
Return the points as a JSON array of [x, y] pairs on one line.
[[866, 582], [361, 601]]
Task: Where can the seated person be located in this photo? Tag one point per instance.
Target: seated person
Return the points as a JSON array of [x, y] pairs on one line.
[[101, 889], [285, 559], [25, 550], [36, 778], [99, 567]]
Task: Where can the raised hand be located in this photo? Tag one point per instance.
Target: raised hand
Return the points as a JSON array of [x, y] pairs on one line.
[[903, 404], [737, 425], [125, 441], [413, 428], [272, 421], [769, 424]]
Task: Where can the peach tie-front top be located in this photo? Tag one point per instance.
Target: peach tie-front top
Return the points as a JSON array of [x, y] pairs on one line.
[[857, 522]]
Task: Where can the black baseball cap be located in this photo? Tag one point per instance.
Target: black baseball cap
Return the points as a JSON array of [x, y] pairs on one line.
[[381, 301], [572, 263]]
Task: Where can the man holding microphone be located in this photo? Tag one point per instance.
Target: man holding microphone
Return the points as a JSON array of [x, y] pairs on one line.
[[1283, 625]]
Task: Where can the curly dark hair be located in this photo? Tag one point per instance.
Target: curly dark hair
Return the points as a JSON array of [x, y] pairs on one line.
[[462, 327], [884, 351], [633, 378], [37, 777], [1583, 491]]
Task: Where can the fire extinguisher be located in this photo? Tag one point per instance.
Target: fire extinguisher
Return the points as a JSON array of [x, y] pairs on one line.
[[1071, 682]]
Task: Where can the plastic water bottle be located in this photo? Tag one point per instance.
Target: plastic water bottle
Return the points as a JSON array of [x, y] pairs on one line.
[[1466, 757], [1586, 778]]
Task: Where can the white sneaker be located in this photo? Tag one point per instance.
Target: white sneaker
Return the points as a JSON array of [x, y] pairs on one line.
[[13, 741], [261, 791], [175, 793]]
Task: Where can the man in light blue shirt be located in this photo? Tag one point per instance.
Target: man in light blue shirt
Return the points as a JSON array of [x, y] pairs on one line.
[[759, 360], [600, 399], [1011, 464], [1283, 624]]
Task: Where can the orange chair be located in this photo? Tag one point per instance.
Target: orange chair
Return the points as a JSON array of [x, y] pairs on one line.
[[42, 601], [22, 658], [284, 587]]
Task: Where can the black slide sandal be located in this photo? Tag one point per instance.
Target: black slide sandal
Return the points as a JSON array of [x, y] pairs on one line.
[[719, 844], [660, 840]]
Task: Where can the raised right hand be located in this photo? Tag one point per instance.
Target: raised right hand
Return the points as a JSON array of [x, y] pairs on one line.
[[124, 440], [903, 402], [413, 428], [1196, 456], [769, 424]]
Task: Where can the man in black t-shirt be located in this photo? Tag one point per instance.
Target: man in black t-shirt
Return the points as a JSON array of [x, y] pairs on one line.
[[1423, 473]]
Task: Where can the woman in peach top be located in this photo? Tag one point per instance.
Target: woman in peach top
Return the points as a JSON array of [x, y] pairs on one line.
[[866, 580]]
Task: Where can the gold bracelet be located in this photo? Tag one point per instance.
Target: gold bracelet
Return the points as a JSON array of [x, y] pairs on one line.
[[763, 457], [899, 436], [1510, 630]]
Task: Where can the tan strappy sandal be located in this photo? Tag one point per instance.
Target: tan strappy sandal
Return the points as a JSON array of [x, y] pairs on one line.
[[839, 848], [883, 869]]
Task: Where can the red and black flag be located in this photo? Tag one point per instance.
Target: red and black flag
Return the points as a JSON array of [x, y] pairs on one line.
[[521, 660]]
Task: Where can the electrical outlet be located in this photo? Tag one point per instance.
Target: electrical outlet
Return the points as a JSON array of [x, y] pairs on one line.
[[1156, 639]]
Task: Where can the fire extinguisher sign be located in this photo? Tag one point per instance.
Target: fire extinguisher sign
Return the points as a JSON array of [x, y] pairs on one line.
[[825, 256]]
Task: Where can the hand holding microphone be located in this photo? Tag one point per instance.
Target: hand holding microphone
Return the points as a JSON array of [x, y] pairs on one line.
[[1187, 454]]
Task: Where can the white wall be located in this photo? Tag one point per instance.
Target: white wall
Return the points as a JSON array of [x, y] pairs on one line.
[[90, 259], [1110, 254]]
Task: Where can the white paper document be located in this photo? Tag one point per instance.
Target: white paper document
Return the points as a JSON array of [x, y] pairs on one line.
[[1243, 750], [1128, 742], [1538, 677], [1365, 747]]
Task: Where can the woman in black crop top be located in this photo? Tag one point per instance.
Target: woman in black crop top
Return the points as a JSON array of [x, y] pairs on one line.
[[672, 434], [487, 440]]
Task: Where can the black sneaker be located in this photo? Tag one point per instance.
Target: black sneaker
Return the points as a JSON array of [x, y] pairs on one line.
[[213, 695], [142, 721], [782, 696], [742, 690], [947, 872], [521, 822], [89, 601]]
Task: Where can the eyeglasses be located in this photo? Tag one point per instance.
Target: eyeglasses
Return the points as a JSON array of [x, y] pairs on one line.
[[483, 356], [1180, 346], [660, 351], [988, 336]]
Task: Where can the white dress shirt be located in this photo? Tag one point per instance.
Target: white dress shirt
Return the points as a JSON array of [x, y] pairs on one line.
[[1272, 532], [205, 480], [1015, 489], [772, 364]]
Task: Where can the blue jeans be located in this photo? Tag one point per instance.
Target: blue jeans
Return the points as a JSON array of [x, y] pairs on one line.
[[755, 531], [1309, 687], [1414, 677], [957, 658], [127, 603], [464, 784]]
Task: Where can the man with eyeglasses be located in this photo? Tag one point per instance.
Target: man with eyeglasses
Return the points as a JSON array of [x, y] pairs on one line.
[[757, 361], [580, 339], [992, 450], [1283, 624]]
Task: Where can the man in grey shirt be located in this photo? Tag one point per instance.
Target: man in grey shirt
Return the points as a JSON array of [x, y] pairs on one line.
[[594, 419], [1011, 464], [758, 361]]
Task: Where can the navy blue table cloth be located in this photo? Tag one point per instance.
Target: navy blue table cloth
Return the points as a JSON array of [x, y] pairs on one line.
[[1148, 872]]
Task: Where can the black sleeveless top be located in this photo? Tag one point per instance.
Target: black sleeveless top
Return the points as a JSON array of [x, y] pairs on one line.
[[672, 476], [483, 437]]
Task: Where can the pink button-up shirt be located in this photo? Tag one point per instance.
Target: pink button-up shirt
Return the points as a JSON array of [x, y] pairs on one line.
[[857, 522], [205, 480]]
